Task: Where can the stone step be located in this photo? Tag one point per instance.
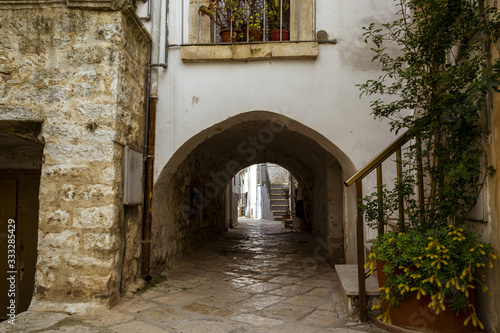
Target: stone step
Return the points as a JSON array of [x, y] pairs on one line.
[[348, 276], [281, 206]]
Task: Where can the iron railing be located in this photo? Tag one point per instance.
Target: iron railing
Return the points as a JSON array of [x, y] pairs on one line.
[[243, 17]]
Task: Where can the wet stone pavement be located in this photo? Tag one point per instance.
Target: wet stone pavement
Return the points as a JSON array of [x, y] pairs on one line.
[[260, 277]]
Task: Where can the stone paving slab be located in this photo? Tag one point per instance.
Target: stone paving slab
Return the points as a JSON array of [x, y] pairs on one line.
[[260, 277]]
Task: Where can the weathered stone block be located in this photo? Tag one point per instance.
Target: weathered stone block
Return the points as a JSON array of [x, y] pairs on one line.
[[108, 176], [19, 113], [84, 90], [97, 241], [66, 240], [65, 172], [95, 111], [57, 218], [85, 261], [88, 193], [51, 95], [86, 285], [66, 152], [110, 32], [75, 22], [81, 56], [96, 217]]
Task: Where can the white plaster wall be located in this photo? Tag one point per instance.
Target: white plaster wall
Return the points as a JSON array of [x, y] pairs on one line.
[[321, 93], [252, 192], [265, 204]]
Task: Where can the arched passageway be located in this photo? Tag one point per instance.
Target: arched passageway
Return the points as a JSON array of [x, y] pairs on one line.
[[190, 195]]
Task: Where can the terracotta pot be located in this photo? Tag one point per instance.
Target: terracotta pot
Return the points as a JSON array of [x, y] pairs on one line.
[[275, 34], [225, 35], [255, 34], [415, 314]]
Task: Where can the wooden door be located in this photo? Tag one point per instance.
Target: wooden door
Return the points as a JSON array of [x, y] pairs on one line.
[[8, 204], [19, 202]]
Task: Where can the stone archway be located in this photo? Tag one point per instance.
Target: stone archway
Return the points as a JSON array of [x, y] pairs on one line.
[[188, 200]]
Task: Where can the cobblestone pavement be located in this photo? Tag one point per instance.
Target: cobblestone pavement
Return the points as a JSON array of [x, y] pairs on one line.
[[260, 277]]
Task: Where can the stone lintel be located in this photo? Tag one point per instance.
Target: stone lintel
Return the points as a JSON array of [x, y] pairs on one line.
[[250, 51], [98, 4], [19, 113]]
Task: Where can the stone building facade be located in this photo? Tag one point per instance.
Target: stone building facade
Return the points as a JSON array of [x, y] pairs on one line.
[[73, 77]]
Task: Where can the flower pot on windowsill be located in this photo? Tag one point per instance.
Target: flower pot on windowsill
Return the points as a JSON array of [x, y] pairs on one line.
[[225, 35], [275, 34], [254, 34]]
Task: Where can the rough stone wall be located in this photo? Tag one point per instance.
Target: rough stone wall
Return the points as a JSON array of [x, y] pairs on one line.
[[132, 238], [191, 214], [82, 73]]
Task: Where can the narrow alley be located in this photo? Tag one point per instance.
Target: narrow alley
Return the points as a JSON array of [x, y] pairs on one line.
[[260, 277]]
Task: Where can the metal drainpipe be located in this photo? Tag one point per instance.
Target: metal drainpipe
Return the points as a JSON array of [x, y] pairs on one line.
[[148, 16], [164, 65], [149, 151]]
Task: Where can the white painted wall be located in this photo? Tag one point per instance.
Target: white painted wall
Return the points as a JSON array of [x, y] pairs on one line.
[[320, 93], [252, 192]]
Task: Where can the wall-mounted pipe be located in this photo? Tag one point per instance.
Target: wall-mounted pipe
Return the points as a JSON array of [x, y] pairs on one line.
[[148, 189], [164, 65], [148, 16]]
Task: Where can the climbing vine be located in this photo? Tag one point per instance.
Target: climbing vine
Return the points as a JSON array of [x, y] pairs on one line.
[[435, 64]]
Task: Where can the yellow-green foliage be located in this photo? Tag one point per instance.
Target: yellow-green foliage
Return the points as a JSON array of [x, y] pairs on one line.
[[444, 263]]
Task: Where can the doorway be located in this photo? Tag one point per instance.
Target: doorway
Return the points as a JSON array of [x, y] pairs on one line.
[[20, 169]]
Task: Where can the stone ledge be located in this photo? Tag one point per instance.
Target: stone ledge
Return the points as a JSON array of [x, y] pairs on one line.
[[249, 51], [349, 290], [82, 4], [348, 275]]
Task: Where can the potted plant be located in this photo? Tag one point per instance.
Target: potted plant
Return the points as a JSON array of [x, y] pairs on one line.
[[434, 260], [432, 274], [227, 15], [278, 15], [251, 23]]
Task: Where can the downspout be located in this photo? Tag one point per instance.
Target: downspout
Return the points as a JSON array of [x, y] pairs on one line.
[[164, 65], [149, 152], [148, 15]]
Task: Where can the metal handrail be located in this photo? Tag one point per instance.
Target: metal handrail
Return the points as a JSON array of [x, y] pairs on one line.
[[379, 159], [357, 178]]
